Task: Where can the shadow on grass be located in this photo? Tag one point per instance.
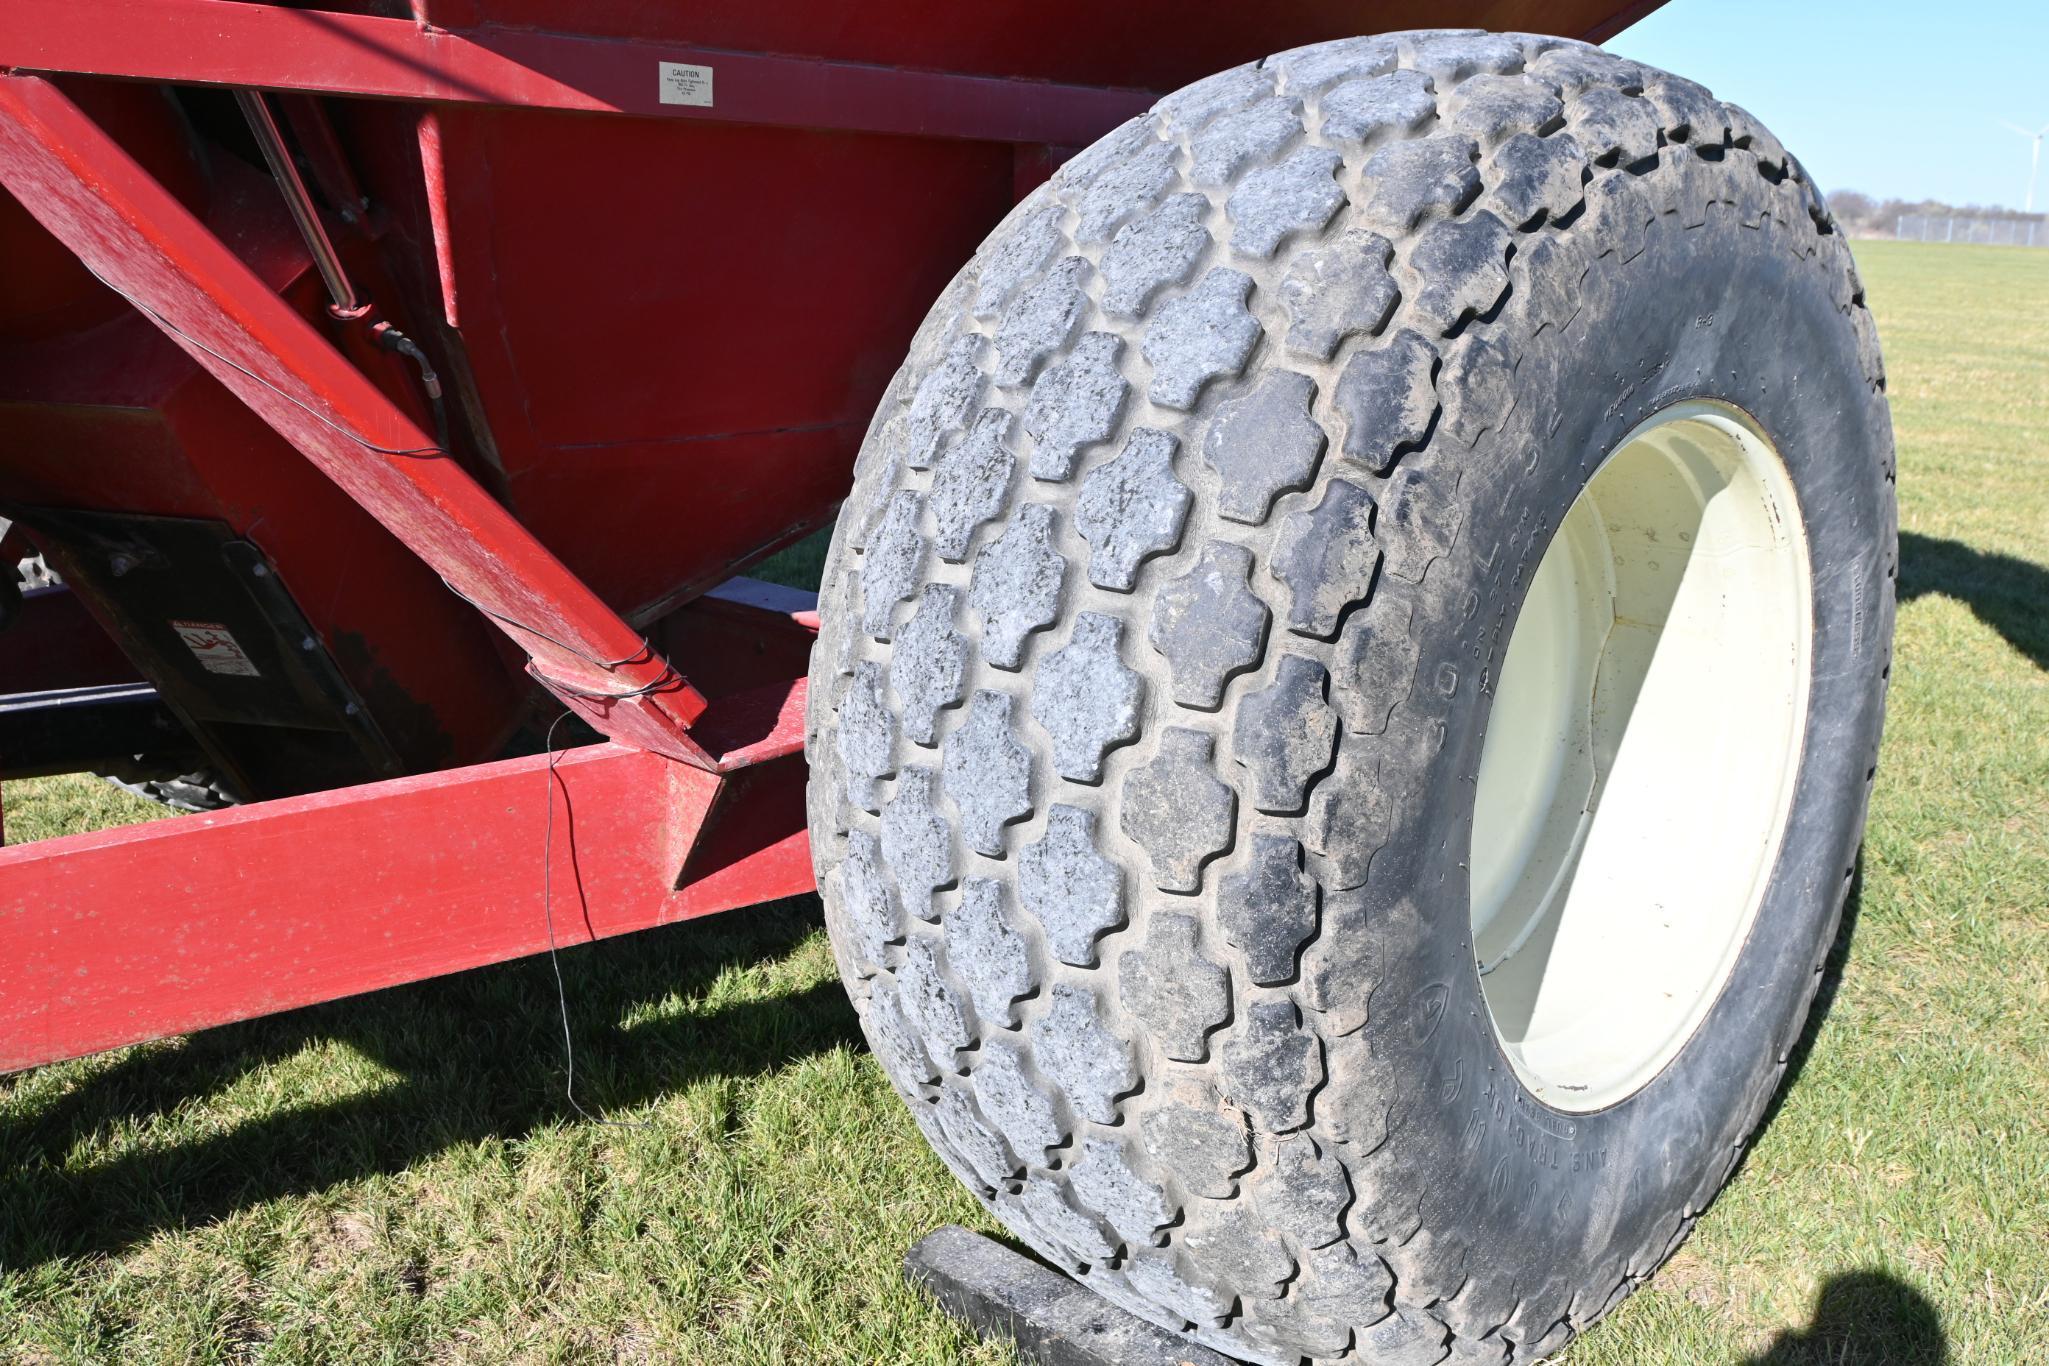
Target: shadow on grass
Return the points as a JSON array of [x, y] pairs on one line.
[[2009, 595], [1863, 1318], [479, 1056]]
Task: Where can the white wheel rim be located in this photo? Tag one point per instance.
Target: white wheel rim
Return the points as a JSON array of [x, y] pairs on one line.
[[1640, 756]]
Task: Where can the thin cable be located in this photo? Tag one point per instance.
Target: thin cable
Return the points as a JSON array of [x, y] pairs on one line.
[[365, 442], [548, 847], [557, 686], [555, 957], [647, 649], [668, 678]]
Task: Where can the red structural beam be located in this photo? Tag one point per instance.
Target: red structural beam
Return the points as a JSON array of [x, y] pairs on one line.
[[225, 42], [158, 929], [135, 235]]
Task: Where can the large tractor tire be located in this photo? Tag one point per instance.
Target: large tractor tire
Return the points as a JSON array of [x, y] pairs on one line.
[[1349, 682]]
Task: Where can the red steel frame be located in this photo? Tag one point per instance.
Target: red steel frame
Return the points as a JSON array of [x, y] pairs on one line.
[[222, 42], [690, 807], [687, 812], [209, 919], [135, 235]]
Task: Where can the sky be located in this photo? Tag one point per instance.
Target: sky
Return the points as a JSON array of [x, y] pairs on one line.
[[1897, 98]]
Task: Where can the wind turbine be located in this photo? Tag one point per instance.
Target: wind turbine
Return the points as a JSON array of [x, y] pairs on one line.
[[2034, 157]]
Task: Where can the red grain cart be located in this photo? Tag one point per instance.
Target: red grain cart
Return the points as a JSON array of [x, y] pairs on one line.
[[377, 384]]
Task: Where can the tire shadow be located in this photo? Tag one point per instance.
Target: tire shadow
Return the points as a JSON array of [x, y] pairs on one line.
[[2010, 595], [477, 1055], [1863, 1318]]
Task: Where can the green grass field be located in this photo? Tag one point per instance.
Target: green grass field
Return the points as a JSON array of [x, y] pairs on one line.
[[397, 1177]]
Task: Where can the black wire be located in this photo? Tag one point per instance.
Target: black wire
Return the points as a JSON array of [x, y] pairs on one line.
[[554, 955], [398, 341], [647, 649], [293, 399], [548, 846], [647, 653], [556, 685]]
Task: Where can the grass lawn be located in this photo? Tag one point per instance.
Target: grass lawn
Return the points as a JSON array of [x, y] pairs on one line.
[[397, 1177]]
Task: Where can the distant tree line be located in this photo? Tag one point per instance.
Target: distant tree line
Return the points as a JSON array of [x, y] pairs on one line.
[[1863, 216]]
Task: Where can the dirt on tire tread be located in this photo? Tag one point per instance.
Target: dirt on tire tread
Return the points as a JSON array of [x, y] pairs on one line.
[[1165, 1025]]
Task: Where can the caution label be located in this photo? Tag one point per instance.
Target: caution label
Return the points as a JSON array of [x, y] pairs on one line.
[[216, 648], [686, 84]]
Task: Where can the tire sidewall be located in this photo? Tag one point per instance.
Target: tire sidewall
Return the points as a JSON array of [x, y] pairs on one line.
[[1500, 1226], [1724, 312]]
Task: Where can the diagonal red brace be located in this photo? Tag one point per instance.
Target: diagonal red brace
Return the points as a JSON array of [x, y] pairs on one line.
[[135, 235]]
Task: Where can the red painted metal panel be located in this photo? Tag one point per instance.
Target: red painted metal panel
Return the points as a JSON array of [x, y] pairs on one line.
[[44, 291], [880, 68], [121, 222], [223, 42], [156, 929], [691, 314], [112, 415], [726, 262], [657, 303], [1156, 45], [676, 328]]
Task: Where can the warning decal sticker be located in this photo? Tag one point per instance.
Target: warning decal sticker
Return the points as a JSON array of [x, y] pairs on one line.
[[215, 647], [685, 84]]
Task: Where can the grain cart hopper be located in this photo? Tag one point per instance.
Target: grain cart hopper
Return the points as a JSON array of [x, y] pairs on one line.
[[1343, 694]]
